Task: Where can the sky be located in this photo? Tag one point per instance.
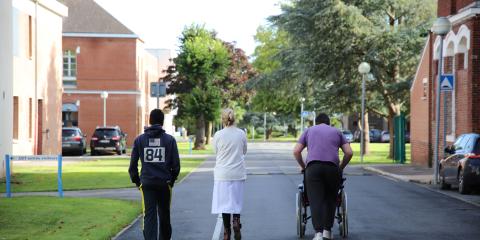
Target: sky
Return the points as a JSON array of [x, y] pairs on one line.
[[159, 23]]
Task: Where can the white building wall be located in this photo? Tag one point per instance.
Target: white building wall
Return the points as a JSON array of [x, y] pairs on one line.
[[37, 74], [6, 82]]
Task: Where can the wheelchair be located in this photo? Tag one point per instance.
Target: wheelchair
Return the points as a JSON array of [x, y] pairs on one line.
[[302, 205]]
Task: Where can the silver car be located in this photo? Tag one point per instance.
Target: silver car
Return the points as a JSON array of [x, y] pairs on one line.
[[73, 141]]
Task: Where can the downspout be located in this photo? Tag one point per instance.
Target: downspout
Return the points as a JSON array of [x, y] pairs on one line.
[[35, 122]]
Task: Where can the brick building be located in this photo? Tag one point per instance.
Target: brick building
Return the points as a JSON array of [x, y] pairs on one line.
[[101, 54], [461, 55]]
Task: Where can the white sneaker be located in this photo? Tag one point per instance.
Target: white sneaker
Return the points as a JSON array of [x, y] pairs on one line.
[[327, 235], [318, 236]]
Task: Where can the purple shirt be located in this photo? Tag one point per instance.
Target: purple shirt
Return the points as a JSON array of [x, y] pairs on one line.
[[322, 143]]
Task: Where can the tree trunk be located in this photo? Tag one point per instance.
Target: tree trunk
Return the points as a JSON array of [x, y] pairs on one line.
[[293, 130], [391, 131], [366, 134], [200, 134], [209, 132], [269, 133]]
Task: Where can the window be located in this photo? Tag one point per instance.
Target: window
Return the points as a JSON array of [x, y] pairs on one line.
[[476, 150], [69, 69], [459, 141], [15, 117], [30, 44], [425, 88]]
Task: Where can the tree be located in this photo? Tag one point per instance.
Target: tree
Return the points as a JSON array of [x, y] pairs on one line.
[[234, 93], [233, 85], [331, 37], [275, 87], [202, 59]]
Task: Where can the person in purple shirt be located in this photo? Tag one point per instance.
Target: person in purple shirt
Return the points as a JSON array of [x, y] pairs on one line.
[[323, 171]]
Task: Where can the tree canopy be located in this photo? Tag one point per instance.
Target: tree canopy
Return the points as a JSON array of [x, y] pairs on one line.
[[202, 60], [325, 41]]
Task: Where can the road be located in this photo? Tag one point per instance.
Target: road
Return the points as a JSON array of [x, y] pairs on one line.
[[379, 208]]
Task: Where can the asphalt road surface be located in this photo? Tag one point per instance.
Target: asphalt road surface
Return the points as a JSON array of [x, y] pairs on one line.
[[379, 208]]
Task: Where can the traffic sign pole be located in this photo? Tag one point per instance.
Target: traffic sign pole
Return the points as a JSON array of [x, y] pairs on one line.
[[59, 176], [7, 176], [437, 114]]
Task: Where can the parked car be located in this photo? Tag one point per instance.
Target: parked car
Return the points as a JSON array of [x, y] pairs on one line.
[[108, 139], [462, 167], [385, 137], [348, 135], [375, 135], [73, 141]]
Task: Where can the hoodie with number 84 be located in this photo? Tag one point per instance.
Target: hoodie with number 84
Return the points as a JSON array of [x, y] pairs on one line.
[[158, 153]]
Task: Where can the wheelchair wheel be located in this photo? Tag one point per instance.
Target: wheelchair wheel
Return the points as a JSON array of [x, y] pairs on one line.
[[300, 215], [344, 216]]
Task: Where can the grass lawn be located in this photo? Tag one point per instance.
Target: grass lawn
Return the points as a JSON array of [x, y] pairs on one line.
[[378, 154], [68, 218], [94, 174], [183, 149]]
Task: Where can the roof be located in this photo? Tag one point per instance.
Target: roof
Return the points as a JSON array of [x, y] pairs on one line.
[[87, 16]]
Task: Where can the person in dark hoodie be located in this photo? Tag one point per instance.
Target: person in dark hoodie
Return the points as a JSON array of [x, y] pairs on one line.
[[158, 153]]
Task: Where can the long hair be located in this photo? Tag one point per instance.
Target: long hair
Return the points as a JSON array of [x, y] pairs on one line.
[[228, 117]]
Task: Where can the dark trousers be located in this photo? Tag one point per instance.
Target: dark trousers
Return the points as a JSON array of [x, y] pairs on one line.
[[323, 181], [156, 210]]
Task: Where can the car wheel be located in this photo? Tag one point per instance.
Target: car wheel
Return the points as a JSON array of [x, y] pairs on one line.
[[119, 152], [462, 186]]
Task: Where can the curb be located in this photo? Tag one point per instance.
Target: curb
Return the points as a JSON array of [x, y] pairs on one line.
[[421, 184], [126, 228], [398, 177], [450, 195]]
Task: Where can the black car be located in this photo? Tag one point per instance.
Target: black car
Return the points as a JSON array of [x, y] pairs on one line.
[[375, 135], [73, 141], [108, 139], [462, 167], [348, 135]]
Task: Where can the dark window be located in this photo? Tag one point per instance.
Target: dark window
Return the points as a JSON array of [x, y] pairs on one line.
[[69, 133], [106, 132], [453, 8], [476, 150]]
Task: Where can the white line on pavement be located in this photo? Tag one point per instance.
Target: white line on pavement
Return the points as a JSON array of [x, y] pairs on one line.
[[218, 228]]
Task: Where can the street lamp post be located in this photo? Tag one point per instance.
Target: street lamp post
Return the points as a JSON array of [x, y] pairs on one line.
[[301, 114], [441, 27], [104, 96], [363, 69]]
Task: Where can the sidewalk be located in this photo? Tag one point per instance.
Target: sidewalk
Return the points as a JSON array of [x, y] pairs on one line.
[[407, 173], [423, 176]]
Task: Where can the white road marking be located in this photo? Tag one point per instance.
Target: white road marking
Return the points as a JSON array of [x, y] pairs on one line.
[[218, 228]]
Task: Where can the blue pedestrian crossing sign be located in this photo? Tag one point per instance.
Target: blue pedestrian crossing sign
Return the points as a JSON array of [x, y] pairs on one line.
[[447, 83]]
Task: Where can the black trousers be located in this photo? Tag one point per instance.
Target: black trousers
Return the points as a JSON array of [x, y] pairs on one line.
[[323, 181], [156, 211]]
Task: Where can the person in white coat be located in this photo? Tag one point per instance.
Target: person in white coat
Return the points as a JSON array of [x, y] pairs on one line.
[[230, 146]]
